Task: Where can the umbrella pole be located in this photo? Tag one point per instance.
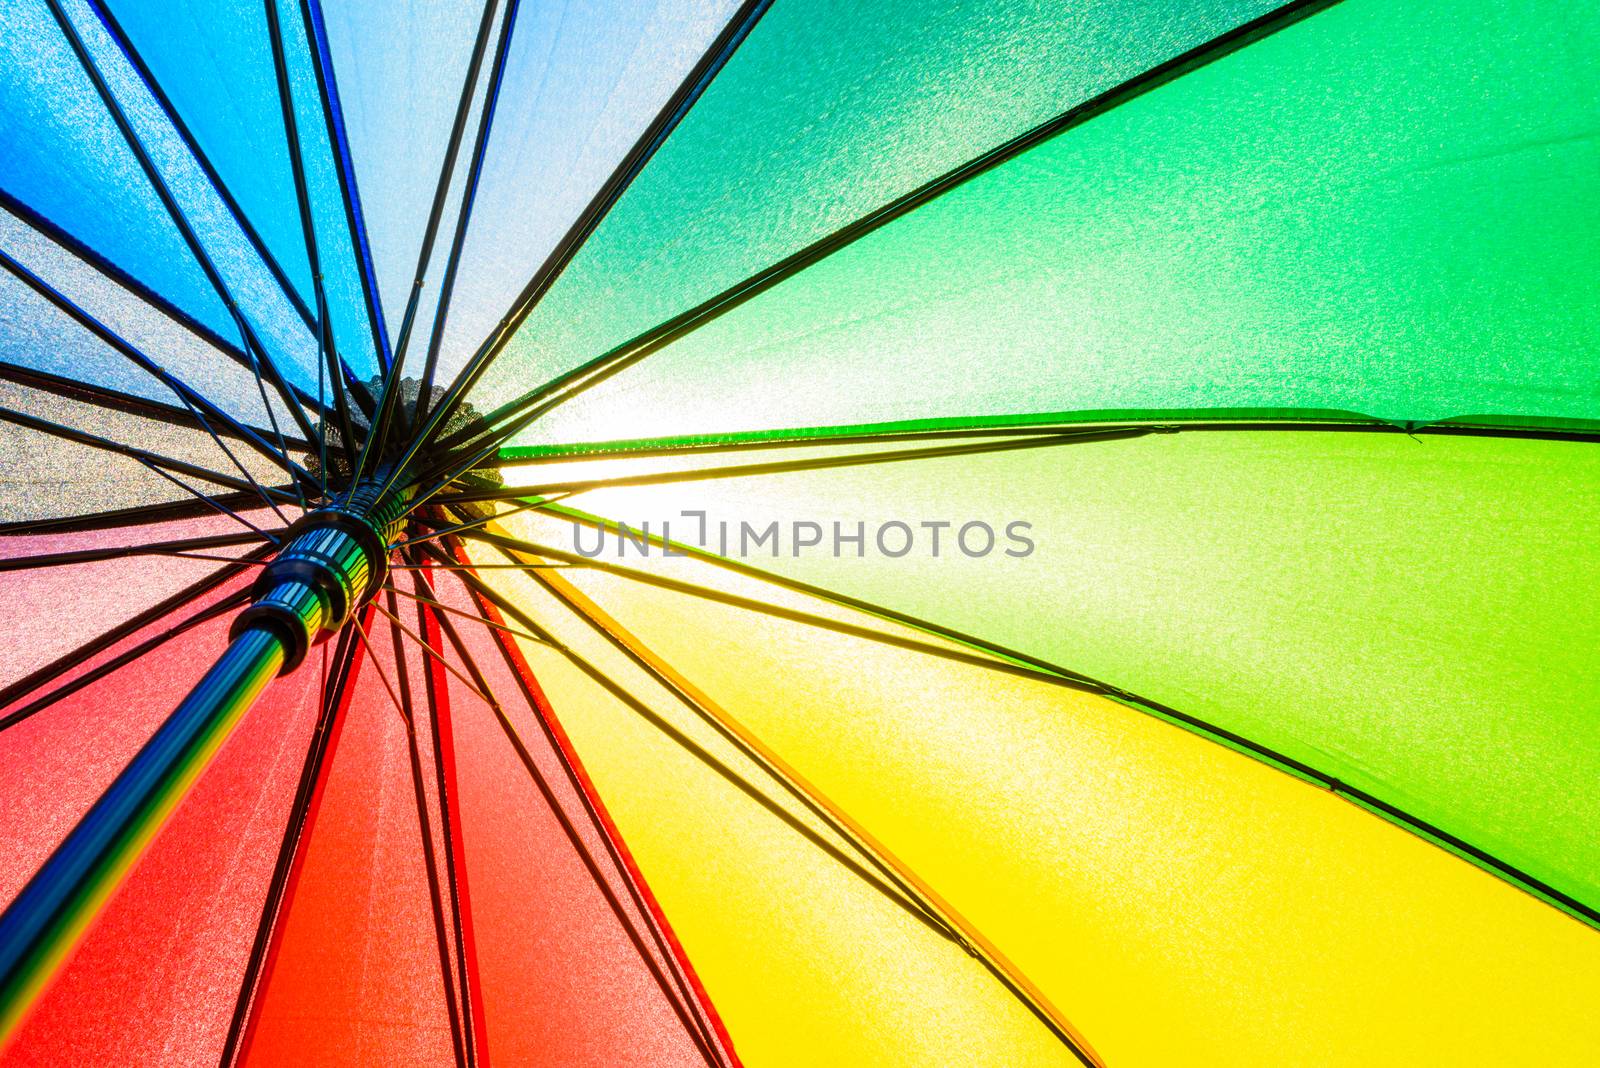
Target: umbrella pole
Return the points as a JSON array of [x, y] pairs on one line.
[[333, 560]]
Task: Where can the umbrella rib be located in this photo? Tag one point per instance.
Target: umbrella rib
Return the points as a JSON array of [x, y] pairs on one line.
[[697, 703], [113, 400], [1042, 440], [694, 749], [103, 399], [469, 195], [291, 127], [250, 478], [355, 223], [1185, 422], [67, 661], [684, 1006], [154, 461], [134, 287], [372, 655], [402, 669], [430, 862], [642, 151], [439, 607], [336, 698], [471, 524], [71, 686], [210, 556], [388, 397], [125, 43], [475, 1033], [407, 632], [117, 552], [1150, 706], [586, 375], [801, 438], [514, 548], [322, 438], [139, 290], [160, 511], [221, 508], [900, 874], [252, 344], [1034, 439], [192, 398], [821, 592], [552, 492], [488, 567], [631, 878]]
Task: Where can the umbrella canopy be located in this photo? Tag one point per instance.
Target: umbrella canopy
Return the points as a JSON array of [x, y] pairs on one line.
[[702, 532]]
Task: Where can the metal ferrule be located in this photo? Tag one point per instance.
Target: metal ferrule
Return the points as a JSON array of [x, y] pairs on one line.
[[332, 561]]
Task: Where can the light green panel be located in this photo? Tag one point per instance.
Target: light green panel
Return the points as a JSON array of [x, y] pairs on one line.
[[1413, 616], [1389, 208], [827, 111]]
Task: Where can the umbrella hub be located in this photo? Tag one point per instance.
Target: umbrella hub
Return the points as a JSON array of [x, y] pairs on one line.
[[332, 561]]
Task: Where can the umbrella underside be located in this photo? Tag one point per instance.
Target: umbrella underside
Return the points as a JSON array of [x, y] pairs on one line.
[[1011, 533]]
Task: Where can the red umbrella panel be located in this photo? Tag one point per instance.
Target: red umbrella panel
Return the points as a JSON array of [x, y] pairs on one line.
[[394, 860]]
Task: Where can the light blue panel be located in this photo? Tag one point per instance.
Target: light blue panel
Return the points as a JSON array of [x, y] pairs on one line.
[[213, 60], [352, 332], [582, 83], [265, 306], [34, 334], [399, 66], [438, 264], [64, 157]]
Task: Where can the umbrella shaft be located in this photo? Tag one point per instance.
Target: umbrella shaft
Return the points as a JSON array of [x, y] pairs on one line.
[[331, 561], [55, 908]]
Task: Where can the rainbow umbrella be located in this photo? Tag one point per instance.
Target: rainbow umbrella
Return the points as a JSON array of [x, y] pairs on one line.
[[800, 532]]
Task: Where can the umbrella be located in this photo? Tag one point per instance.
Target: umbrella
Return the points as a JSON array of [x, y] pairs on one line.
[[799, 532]]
